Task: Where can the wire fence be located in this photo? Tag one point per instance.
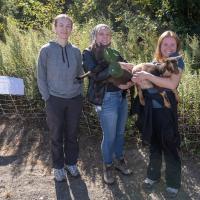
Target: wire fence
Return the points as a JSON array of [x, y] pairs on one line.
[[25, 108]]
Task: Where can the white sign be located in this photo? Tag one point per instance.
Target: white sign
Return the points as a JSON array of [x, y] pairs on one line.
[[11, 85]]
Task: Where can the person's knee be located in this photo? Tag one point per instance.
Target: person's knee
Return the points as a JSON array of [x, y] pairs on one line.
[[170, 138]]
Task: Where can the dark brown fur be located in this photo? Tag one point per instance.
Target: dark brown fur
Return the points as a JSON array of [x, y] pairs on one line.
[[98, 52]]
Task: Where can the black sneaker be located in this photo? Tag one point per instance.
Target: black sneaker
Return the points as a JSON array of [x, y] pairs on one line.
[[108, 174], [122, 166]]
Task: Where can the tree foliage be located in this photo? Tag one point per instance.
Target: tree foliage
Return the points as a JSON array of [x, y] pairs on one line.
[[184, 17], [33, 13]]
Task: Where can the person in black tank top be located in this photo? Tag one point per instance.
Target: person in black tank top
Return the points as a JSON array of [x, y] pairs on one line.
[[163, 122]]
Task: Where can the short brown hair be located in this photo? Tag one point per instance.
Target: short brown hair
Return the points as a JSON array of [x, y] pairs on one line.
[[158, 55], [62, 16]]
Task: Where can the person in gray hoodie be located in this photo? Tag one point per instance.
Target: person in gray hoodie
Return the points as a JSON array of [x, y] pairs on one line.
[[59, 64]]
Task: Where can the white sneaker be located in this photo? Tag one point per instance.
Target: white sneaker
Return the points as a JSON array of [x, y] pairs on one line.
[[59, 174], [148, 183], [73, 170], [171, 192]]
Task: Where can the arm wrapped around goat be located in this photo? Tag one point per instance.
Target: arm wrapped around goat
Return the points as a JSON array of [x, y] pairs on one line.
[[105, 66]]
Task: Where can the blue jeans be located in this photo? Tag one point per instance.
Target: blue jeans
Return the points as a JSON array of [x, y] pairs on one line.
[[113, 116]]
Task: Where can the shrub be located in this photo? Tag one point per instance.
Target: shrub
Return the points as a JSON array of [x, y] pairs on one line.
[[18, 57]]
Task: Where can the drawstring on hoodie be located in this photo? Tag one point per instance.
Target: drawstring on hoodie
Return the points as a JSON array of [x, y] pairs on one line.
[[63, 57], [66, 56]]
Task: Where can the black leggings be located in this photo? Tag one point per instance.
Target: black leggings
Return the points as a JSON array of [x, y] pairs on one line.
[[165, 141]]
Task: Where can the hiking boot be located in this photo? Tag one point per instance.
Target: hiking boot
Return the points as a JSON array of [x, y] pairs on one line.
[[171, 192], [72, 170], [59, 175], [148, 183], [108, 174], [121, 165]]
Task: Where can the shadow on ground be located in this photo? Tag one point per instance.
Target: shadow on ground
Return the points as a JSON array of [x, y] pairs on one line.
[[71, 189], [26, 143]]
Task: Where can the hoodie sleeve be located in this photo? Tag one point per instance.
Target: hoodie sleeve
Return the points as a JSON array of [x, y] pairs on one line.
[[42, 74]]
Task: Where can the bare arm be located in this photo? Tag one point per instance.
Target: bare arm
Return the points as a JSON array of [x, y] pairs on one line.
[[126, 86], [126, 66], [165, 82]]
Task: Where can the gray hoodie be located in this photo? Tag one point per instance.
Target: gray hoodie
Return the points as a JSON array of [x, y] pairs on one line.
[[57, 70]]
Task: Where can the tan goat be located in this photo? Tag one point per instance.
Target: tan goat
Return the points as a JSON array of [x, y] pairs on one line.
[[165, 69]]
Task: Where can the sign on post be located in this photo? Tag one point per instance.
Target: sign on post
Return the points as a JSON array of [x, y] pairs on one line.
[[11, 85]]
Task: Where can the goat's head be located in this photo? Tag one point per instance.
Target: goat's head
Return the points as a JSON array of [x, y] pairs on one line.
[[171, 64], [99, 51]]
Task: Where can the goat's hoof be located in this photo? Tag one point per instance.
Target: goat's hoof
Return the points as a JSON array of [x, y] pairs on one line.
[[142, 103], [167, 105]]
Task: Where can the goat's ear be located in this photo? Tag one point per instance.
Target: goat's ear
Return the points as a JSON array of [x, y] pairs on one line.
[[173, 58], [162, 65]]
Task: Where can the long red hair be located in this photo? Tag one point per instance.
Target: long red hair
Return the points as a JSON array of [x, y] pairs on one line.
[[158, 55]]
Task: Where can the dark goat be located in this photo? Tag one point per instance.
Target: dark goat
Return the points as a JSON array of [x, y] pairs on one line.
[[107, 64], [122, 79]]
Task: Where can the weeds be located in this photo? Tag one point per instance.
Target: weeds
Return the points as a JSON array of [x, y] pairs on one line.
[[18, 57]]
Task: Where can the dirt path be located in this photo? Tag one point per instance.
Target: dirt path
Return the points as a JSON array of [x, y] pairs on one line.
[[25, 172]]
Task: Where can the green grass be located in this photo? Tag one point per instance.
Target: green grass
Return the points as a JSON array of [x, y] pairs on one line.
[[18, 57]]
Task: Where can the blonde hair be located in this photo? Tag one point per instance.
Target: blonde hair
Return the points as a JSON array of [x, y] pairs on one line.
[[59, 17], [96, 29], [158, 55]]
